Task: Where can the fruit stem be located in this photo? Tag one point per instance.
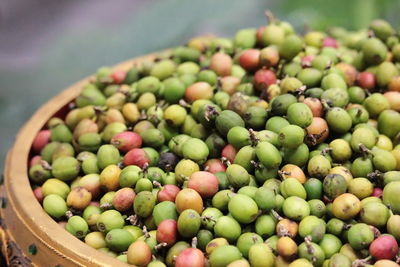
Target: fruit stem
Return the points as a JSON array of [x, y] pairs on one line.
[[361, 262], [225, 161], [68, 214], [106, 206], [145, 232], [45, 165], [310, 248], [157, 184], [253, 138], [270, 16], [276, 215], [194, 242], [184, 104], [210, 111]]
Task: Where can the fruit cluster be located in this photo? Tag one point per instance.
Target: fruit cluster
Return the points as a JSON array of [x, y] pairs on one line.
[[268, 149]]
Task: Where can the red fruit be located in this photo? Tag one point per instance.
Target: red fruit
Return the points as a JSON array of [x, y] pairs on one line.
[[41, 139], [229, 152], [188, 198], [190, 257], [221, 64], [95, 203], [168, 193], [199, 90], [384, 247], [263, 78], [139, 253], [366, 80], [126, 141], [259, 34], [167, 232], [91, 182], [214, 165], [250, 59], [377, 192], [229, 84], [307, 60], [35, 160], [136, 156], [37, 192], [269, 56], [118, 76], [205, 183], [315, 105], [329, 42], [123, 199]]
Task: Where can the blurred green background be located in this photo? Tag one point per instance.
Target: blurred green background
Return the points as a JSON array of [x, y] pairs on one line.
[[47, 45]]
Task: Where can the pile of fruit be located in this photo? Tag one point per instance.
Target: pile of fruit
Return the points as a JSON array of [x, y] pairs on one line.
[[268, 149]]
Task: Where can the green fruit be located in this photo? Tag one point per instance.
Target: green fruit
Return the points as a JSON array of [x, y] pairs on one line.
[[374, 51], [317, 256], [65, 168], [375, 214], [333, 80], [292, 187], [375, 104], [195, 149], [311, 77], [246, 240], [245, 156], [317, 208], [226, 120], [221, 199], [56, 187], [209, 217], [291, 136], [119, 240], [338, 120], [337, 97], [144, 203], [163, 69], [295, 208], [153, 138], [312, 226], [164, 210], [224, 255], [265, 226], [189, 223], [291, 46], [77, 226], [109, 220], [281, 103], [107, 155], [313, 188], [148, 84], [260, 255], [339, 259], [385, 73], [55, 206], [334, 185], [275, 124], [245, 38], [228, 228], [268, 155], [318, 166], [243, 208], [297, 156], [238, 137], [265, 198], [237, 175], [389, 123], [61, 133], [360, 236], [390, 196], [38, 174]]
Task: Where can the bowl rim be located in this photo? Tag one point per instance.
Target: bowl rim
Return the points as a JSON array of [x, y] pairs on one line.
[[18, 189]]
